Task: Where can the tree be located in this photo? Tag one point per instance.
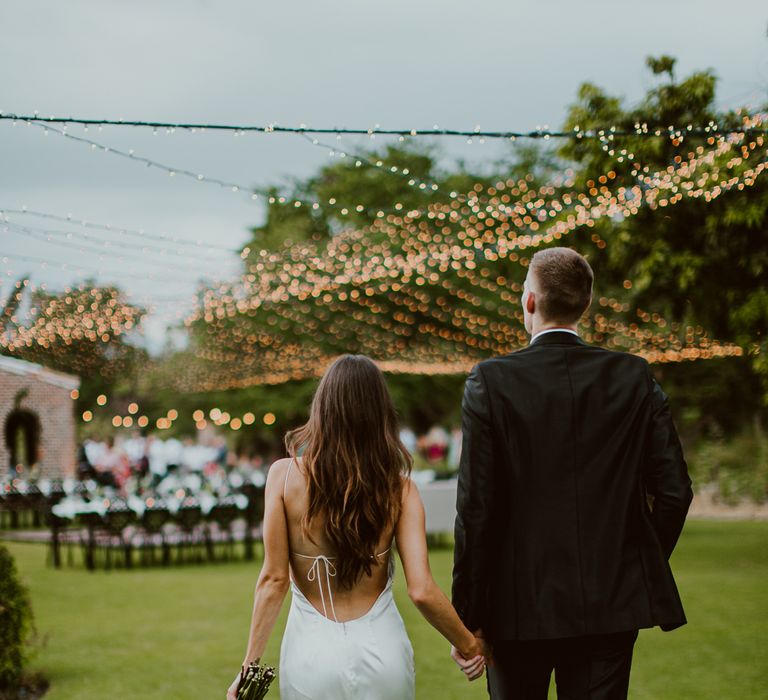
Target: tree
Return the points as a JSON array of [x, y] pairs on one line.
[[16, 625], [701, 261]]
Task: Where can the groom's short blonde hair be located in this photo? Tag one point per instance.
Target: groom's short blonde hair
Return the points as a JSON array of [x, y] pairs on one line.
[[564, 280]]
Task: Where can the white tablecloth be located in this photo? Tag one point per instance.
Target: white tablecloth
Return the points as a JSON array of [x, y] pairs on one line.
[[439, 505]]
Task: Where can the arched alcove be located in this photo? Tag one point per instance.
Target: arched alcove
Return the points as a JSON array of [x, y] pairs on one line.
[[22, 438]]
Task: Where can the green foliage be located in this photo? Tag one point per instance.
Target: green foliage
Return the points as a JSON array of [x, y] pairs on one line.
[[16, 623], [713, 399], [705, 263], [662, 64], [738, 465], [690, 101], [286, 224], [424, 401]]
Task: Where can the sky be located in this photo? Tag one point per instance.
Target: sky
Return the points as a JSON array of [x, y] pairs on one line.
[[490, 63]]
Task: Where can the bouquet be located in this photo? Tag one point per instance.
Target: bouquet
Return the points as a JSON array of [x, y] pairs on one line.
[[254, 681]]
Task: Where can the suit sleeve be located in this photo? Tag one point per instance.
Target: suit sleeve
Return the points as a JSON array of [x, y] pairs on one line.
[[666, 473], [474, 500]]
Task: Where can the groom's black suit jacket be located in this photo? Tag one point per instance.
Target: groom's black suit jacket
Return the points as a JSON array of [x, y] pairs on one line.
[[572, 493]]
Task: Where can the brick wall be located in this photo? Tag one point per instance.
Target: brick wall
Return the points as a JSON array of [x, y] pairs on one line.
[[54, 408]]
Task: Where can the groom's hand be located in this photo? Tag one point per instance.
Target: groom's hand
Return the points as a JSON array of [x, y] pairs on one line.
[[485, 647]]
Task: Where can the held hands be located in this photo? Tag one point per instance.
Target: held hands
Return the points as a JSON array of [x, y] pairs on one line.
[[473, 664]]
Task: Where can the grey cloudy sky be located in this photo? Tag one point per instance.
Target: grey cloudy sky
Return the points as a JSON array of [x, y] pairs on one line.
[[494, 63]]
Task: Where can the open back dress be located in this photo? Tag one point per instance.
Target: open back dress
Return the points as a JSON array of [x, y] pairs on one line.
[[322, 658]]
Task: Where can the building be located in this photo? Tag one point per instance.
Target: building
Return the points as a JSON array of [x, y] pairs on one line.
[[37, 415]]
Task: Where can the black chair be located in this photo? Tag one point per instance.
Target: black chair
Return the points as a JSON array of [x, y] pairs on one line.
[[254, 514], [156, 515], [58, 527], [56, 492], [188, 517], [92, 522], [117, 519], [222, 516], [36, 503], [16, 504], [81, 489]]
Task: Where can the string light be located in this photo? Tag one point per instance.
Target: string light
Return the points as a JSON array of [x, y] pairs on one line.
[[62, 324], [606, 136], [435, 288], [164, 255], [311, 272], [360, 160], [107, 251], [540, 133], [164, 422], [166, 238], [355, 270], [342, 209], [49, 264]]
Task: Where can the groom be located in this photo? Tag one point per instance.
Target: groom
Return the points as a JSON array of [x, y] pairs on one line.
[[572, 494]]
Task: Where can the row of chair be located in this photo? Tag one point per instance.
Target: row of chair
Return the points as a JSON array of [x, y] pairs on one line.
[[119, 536]]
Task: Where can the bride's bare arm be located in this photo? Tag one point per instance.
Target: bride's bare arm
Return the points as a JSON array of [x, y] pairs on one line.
[[432, 603], [273, 581]]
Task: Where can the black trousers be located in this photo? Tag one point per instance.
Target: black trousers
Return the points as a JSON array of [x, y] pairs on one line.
[[594, 667]]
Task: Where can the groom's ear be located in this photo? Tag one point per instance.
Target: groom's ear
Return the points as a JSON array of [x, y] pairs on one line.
[[530, 302]]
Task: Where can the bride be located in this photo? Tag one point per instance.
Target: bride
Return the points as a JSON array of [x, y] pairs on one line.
[[330, 520]]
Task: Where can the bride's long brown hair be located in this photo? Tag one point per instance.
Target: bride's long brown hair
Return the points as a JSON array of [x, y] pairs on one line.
[[354, 461]]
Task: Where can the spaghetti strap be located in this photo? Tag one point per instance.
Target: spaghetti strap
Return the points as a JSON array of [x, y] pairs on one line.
[[324, 564], [287, 474], [314, 575]]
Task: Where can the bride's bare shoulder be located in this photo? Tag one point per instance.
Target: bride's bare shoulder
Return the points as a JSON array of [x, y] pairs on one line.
[[278, 470]]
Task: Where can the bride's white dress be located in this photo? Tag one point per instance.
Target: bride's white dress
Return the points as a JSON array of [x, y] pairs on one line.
[[368, 658]]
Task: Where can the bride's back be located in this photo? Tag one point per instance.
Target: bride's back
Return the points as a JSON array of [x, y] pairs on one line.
[[343, 496], [313, 558]]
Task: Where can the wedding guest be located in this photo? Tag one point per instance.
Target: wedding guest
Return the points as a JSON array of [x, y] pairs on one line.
[[436, 441], [155, 451], [94, 452], [108, 463], [172, 452], [84, 468]]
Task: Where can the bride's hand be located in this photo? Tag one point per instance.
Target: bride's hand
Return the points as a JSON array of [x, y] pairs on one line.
[[473, 665], [232, 690]]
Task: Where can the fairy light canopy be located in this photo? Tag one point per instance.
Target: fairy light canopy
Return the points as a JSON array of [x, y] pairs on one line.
[[436, 290], [427, 290]]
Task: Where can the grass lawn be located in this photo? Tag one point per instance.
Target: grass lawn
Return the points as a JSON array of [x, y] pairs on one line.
[[180, 633]]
